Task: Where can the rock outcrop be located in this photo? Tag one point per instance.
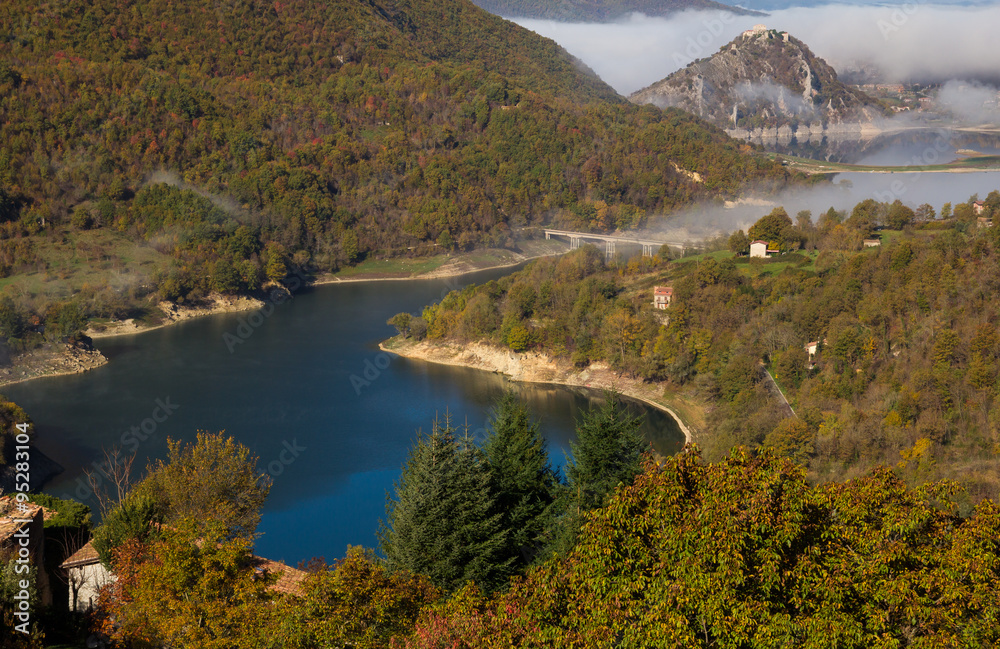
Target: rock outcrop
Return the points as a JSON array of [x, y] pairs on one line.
[[766, 84]]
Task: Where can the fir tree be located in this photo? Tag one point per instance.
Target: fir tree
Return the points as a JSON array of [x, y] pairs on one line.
[[521, 477], [608, 452], [443, 521]]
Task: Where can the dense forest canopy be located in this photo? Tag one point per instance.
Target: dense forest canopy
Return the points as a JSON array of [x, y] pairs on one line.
[[226, 143]]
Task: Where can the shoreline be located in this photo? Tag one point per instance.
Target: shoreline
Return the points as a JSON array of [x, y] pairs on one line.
[[57, 359], [217, 304], [534, 367]]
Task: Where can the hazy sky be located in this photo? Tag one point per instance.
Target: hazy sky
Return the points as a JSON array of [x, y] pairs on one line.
[[906, 41]]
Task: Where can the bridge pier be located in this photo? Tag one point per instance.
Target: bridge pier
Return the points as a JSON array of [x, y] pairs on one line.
[[609, 249], [548, 235], [647, 250], [574, 243]]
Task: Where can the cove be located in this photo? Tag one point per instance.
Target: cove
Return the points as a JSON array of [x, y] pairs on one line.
[[330, 417]]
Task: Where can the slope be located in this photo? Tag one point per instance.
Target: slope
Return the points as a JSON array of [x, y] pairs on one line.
[[242, 139]]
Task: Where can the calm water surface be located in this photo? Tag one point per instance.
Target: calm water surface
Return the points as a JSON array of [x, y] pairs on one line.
[[333, 446]]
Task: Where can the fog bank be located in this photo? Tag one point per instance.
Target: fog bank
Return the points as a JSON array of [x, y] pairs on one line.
[[907, 42]]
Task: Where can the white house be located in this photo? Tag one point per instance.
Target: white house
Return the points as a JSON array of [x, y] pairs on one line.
[[662, 296], [85, 576], [759, 249]]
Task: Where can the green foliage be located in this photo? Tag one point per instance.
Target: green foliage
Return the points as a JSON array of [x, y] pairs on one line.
[[520, 477], [69, 513], [357, 603], [893, 323], [11, 415], [324, 134], [443, 521], [739, 243], [131, 520], [607, 453], [403, 323], [11, 576], [193, 587], [214, 480], [746, 553]]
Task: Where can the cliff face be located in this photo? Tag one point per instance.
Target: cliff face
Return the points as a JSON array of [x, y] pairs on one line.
[[765, 79]]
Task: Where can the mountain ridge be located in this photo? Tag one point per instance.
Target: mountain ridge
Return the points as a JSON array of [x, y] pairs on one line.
[[763, 79]]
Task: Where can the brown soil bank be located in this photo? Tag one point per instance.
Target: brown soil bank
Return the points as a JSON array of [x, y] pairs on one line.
[[535, 367]]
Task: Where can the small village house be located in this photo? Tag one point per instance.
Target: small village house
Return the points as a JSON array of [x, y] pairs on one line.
[[978, 208], [662, 296], [759, 249], [86, 575], [872, 243]]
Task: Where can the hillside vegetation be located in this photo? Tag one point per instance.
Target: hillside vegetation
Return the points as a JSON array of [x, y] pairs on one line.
[[197, 146], [908, 360]]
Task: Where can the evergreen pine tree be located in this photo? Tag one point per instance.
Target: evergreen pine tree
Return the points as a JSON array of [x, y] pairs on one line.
[[608, 452], [443, 521], [521, 477]]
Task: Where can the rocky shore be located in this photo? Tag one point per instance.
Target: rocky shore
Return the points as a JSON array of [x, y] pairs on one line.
[[54, 359], [535, 367], [174, 313]]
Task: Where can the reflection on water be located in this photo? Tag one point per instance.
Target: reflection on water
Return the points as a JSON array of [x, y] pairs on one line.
[[917, 146], [309, 377]]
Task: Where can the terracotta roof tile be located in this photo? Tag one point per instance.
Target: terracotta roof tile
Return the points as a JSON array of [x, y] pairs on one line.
[[82, 557]]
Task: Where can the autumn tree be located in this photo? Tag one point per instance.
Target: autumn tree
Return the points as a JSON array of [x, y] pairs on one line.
[[739, 243], [192, 587], [746, 553], [357, 602], [774, 227], [214, 479]]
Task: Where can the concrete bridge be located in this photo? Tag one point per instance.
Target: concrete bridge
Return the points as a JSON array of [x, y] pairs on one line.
[[649, 246]]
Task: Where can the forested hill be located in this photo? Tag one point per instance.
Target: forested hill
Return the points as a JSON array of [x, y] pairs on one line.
[[314, 134], [601, 10]]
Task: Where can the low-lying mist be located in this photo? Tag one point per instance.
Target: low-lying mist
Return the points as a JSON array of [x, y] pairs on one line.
[[911, 42]]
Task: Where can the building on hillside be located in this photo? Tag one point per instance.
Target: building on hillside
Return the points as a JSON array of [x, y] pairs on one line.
[[872, 243], [22, 537], [812, 348], [756, 30], [87, 575], [662, 296], [978, 207], [984, 222], [759, 249]]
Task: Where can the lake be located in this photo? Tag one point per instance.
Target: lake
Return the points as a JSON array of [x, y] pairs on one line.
[[329, 415]]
